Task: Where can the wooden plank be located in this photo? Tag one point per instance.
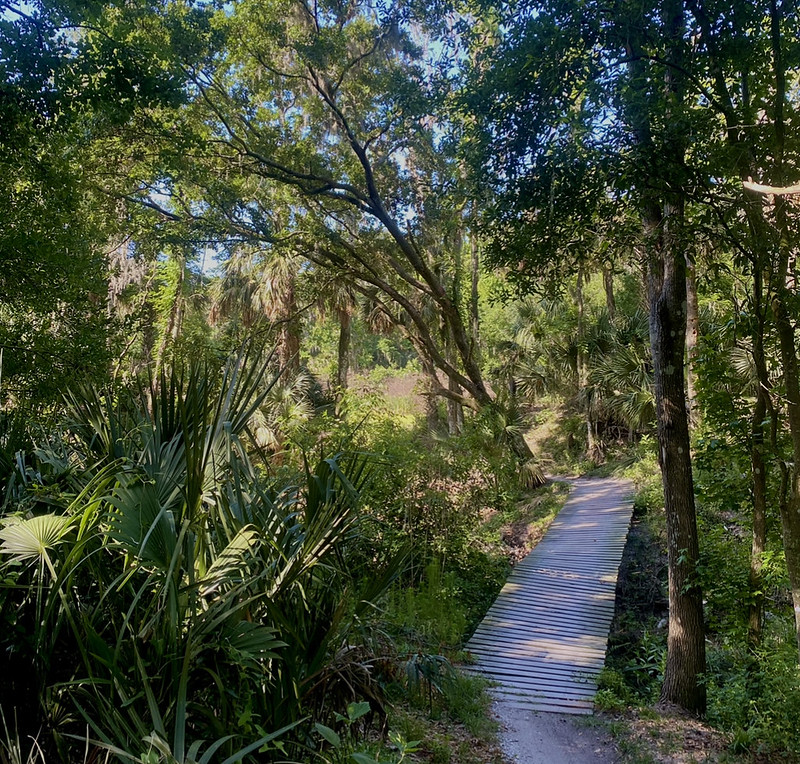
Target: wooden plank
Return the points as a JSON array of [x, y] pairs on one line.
[[530, 631], [548, 705], [541, 624], [543, 601], [545, 637], [514, 658], [539, 585], [578, 610], [525, 631], [522, 662], [565, 617], [532, 669], [539, 695], [559, 684], [541, 648], [557, 694]]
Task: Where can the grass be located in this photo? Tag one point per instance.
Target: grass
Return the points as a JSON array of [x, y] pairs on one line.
[[456, 728]]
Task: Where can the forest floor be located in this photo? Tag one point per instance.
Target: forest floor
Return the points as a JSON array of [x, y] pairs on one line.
[[527, 737], [637, 736]]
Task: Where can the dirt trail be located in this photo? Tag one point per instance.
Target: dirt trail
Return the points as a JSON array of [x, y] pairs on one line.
[[530, 737]]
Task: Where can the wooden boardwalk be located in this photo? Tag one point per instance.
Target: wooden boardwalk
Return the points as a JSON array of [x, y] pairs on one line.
[[544, 639]]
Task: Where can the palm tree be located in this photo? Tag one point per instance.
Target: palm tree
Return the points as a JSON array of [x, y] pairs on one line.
[[261, 284], [337, 294]]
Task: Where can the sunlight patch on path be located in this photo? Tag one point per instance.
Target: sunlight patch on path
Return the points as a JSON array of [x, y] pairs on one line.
[[544, 639]]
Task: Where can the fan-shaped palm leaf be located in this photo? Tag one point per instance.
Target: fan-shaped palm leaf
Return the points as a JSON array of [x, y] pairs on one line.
[[31, 538]]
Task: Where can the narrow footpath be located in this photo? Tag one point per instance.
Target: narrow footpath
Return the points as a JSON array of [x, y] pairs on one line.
[[544, 639]]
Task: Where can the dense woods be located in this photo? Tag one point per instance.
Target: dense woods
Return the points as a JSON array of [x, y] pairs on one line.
[[299, 305]]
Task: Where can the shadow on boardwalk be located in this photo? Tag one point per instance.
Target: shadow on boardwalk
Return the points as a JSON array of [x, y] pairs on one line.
[[544, 639]]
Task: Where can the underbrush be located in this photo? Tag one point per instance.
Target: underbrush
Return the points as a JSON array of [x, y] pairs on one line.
[[305, 604], [753, 696]]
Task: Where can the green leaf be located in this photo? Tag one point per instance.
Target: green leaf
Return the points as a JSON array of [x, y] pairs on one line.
[[239, 755], [25, 539], [254, 640], [194, 749], [356, 710], [362, 758], [328, 734], [232, 560], [213, 748]]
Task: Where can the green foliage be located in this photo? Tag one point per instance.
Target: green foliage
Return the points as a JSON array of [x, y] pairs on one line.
[[433, 611], [645, 473], [468, 702], [757, 699], [64, 93], [371, 351], [434, 491], [194, 560], [197, 600], [613, 692]]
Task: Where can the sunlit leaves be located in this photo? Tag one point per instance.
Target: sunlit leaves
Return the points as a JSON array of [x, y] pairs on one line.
[[32, 538]]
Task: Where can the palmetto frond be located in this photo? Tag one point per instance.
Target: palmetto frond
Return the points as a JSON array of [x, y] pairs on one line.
[[255, 282], [622, 385], [32, 537], [287, 405]]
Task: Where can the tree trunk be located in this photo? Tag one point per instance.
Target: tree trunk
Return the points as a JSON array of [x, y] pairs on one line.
[[289, 331], [782, 312], [758, 465], [692, 323], [343, 356], [455, 413], [686, 636], [743, 156], [432, 421], [608, 285], [583, 371], [790, 509], [663, 222], [782, 309], [758, 470], [474, 304]]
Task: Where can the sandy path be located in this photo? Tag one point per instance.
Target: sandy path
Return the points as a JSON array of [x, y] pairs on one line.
[[530, 737]]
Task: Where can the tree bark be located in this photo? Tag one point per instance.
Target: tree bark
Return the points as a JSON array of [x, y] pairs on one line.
[[343, 355], [692, 324], [474, 306], [455, 413], [758, 462], [743, 156], [686, 636], [790, 509], [755, 618], [783, 314], [608, 286], [663, 223], [432, 421], [289, 330]]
